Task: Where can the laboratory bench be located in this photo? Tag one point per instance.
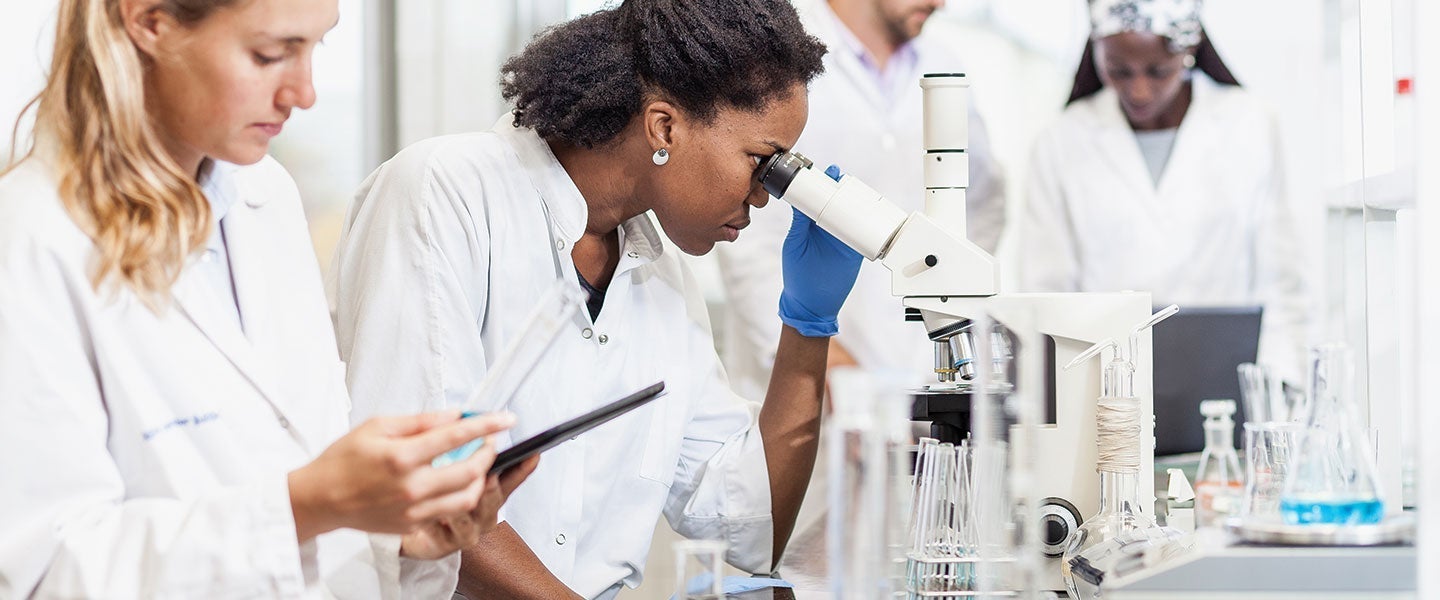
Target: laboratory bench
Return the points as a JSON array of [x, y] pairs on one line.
[[1226, 572], [1273, 573]]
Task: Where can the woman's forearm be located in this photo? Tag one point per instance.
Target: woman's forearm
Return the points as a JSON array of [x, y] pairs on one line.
[[501, 566], [790, 426]]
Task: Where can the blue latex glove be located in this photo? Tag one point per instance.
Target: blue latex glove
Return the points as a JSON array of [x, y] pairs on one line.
[[819, 271]]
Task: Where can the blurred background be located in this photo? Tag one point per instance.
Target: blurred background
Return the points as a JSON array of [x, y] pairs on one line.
[[390, 75], [1338, 73]]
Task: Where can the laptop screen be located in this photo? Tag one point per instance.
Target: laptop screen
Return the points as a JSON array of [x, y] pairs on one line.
[[1196, 352]]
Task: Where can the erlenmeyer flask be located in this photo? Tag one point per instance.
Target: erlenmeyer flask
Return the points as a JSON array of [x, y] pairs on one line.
[[1218, 482], [1332, 480]]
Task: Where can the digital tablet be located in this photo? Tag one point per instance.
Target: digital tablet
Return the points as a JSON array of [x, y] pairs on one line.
[[553, 436]]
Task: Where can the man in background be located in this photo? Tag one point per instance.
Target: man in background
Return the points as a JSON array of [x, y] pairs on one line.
[[865, 116]]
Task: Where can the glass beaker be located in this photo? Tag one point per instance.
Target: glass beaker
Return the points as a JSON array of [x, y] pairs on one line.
[[1333, 478], [698, 565], [1269, 451]]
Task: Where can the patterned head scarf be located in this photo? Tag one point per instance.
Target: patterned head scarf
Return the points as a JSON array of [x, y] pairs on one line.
[[1176, 20]]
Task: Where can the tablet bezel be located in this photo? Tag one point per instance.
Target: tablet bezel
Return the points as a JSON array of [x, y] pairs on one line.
[[556, 435]]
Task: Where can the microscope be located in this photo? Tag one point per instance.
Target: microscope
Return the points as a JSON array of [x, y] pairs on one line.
[[948, 282]]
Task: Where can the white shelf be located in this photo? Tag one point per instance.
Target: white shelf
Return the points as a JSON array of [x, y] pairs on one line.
[[1392, 191]]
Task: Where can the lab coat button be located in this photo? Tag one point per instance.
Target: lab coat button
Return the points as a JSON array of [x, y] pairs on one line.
[[633, 254], [560, 539], [604, 339], [208, 256], [559, 244], [586, 333]]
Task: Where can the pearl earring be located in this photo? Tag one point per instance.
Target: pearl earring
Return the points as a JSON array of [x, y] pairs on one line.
[[1189, 61], [661, 157]]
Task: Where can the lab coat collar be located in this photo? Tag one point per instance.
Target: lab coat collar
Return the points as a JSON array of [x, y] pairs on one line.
[[1115, 132], [567, 207], [1112, 117], [640, 241], [850, 57], [217, 182], [842, 38], [198, 302], [823, 23], [248, 251]]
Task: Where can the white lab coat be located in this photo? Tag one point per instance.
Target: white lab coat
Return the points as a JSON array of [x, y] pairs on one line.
[[446, 251], [146, 455], [852, 126], [1218, 230]]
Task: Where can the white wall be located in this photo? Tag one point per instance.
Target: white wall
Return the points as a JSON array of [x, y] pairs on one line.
[[26, 34], [323, 148], [1427, 271], [450, 53], [1278, 50]]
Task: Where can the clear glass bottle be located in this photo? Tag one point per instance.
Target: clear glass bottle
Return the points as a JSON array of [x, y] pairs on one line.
[[1119, 534], [1219, 484], [1332, 479], [867, 454]]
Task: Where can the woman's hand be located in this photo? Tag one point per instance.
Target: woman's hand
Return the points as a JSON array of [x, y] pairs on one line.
[[378, 477], [819, 271], [447, 534]]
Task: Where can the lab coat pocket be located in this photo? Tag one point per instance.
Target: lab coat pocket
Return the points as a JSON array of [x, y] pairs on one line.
[[662, 443]]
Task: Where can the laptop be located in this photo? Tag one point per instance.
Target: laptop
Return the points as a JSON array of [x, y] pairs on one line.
[[1195, 353]]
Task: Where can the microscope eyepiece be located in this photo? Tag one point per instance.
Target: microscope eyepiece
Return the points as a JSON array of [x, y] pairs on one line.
[[780, 170]]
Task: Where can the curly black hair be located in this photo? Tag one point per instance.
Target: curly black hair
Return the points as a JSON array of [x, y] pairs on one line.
[[581, 82]]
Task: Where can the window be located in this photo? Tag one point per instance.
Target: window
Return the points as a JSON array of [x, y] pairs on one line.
[[26, 34], [323, 148]]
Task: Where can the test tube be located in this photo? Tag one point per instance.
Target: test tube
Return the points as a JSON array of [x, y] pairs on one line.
[[520, 358]]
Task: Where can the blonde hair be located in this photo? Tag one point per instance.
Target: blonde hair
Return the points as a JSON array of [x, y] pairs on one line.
[[116, 180]]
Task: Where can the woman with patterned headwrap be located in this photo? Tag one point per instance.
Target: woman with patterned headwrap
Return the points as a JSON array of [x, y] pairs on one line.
[[1164, 175]]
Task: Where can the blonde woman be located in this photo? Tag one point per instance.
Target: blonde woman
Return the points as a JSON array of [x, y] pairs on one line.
[[173, 413]]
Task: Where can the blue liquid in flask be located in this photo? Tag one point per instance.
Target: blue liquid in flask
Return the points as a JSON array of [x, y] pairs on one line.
[[1338, 511]]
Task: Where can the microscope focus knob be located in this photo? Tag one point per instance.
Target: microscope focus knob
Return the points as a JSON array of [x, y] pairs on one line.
[[1058, 519]]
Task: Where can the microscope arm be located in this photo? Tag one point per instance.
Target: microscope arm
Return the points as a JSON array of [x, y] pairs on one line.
[[925, 260], [943, 275]]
